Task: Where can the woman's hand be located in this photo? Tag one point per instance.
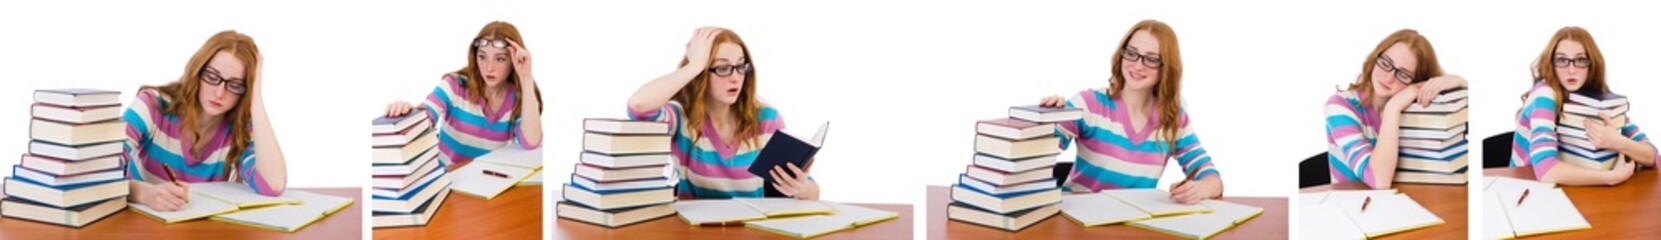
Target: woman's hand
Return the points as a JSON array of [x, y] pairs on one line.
[[698, 49], [1053, 101], [1403, 98], [1605, 135], [1431, 88], [1193, 191], [798, 187], [1623, 170], [166, 197], [521, 58], [398, 108]]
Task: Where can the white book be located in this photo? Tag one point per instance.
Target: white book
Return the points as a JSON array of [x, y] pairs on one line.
[[514, 156], [426, 161], [239, 195], [1336, 196], [289, 218], [200, 206], [1155, 202], [712, 211], [1507, 184], [534, 180], [1495, 225], [1388, 214], [75, 153], [846, 217], [1096, 209], [775, 207], [1224, 215], [396, 192], [1326, 222], [474, 180], [1544, 211]]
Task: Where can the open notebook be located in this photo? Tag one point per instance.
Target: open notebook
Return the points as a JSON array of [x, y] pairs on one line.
[[289, 218], [1320, 221], [1543, 211], [1495, 224], [199, 207], [1155, 202], [1387, 214], [846, 217], [486, 180], [515, 157], [1096, 209], [1223, 215], [733, 211]]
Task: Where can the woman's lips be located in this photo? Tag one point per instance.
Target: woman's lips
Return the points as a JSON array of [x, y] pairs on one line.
[[215, 104]]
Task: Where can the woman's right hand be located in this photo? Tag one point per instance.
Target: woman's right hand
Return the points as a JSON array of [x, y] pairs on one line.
[[167, 196], [1623, 170], [699, 48], [399, 108], [1053, 101]]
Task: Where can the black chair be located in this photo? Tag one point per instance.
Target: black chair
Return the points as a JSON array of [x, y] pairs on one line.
[[1061, 170], [1496, 150], [1313, 171]]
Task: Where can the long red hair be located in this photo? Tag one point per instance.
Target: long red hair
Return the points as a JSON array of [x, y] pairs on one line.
[[187, 106], [1420, 46], [695, 95], [1544, 70], [475, 84], [1168, 92]]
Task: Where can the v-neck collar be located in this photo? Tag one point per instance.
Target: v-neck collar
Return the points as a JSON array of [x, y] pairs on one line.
[[721, 146], [216, 141], [1136, 135]]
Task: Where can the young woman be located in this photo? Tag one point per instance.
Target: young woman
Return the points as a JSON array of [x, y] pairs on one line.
[[208, 126], [481, 104], [1573, 63], [1137, 122], [718, 122], [1363, 121]]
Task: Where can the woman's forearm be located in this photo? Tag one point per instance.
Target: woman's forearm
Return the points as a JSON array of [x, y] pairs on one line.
[[268, 153], [530, 114]]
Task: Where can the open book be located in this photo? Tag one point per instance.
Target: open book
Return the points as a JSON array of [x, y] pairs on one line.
[[783, 148]]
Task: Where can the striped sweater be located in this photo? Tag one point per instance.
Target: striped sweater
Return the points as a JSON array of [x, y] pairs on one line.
[[709, 167], [1534, 143], [470, 129], [154, 139], [1351, 131], [1112, 155]]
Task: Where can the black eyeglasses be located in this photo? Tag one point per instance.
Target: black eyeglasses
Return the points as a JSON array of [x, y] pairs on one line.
[[1387, 64], [212, 78], [497, 43], [1150, 60], [1579, 62], [726, 70]]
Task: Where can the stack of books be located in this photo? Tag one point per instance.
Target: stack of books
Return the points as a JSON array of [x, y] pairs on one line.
[[1575, 148], [620, 179], [1433, 145], [1011, 183], [409, 182], [72, 174]]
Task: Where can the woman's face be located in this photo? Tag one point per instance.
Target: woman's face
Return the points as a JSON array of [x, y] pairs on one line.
[[1570, 63], [493, 64], [223, 83], [726, 74], [1394, 70], [1141, 61]]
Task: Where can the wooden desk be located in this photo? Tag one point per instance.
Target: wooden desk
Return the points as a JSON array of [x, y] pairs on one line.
[[1446, 201], [1625, 211], [127, 224], [673, 227], [515, 214], [1270, 225]]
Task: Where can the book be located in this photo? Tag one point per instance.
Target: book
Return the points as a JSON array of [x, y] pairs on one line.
[[1014, 165], [419, 217], [620, 144], [1439, 161], [1155, 202], [75, 153], [1224, 215], [402, 137], [412, 199], [401, 191], [289, 218], [514, 156], [199, 207], [534, 180], [1433, 134], [612, 218], [1017, 149], [75, 134], [992, 188], [55, 180], [240, 195], [1010, 128], [1322, 221], [1388, 214], [624, 161], [85, 114], [67, 167], [623, 185], [1432, 144], [783, 148], [619, 126], [1574, 157], [64, 196], [76, 97], [1035, 113], [1004, 203], [76, 216], [995, 177], [403, 154], [1597, 99], [486, 180], [1578, 121], [1415, 176], [1012, 221], [607, 200], [405, 181], [784, 207], [602, 174], [1507, 184], [1495, 224], [387, 125], [845, 217], [427, 161], [1435, 120], [1095, 209], [1445, 102], [715, 212], [1543, 211]]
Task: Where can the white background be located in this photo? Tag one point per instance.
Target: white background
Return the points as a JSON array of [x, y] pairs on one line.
[[903, 81]]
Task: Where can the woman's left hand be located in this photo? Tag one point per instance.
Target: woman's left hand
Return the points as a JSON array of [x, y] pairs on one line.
[[521, 61], [1434, 87], [798, 187]]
